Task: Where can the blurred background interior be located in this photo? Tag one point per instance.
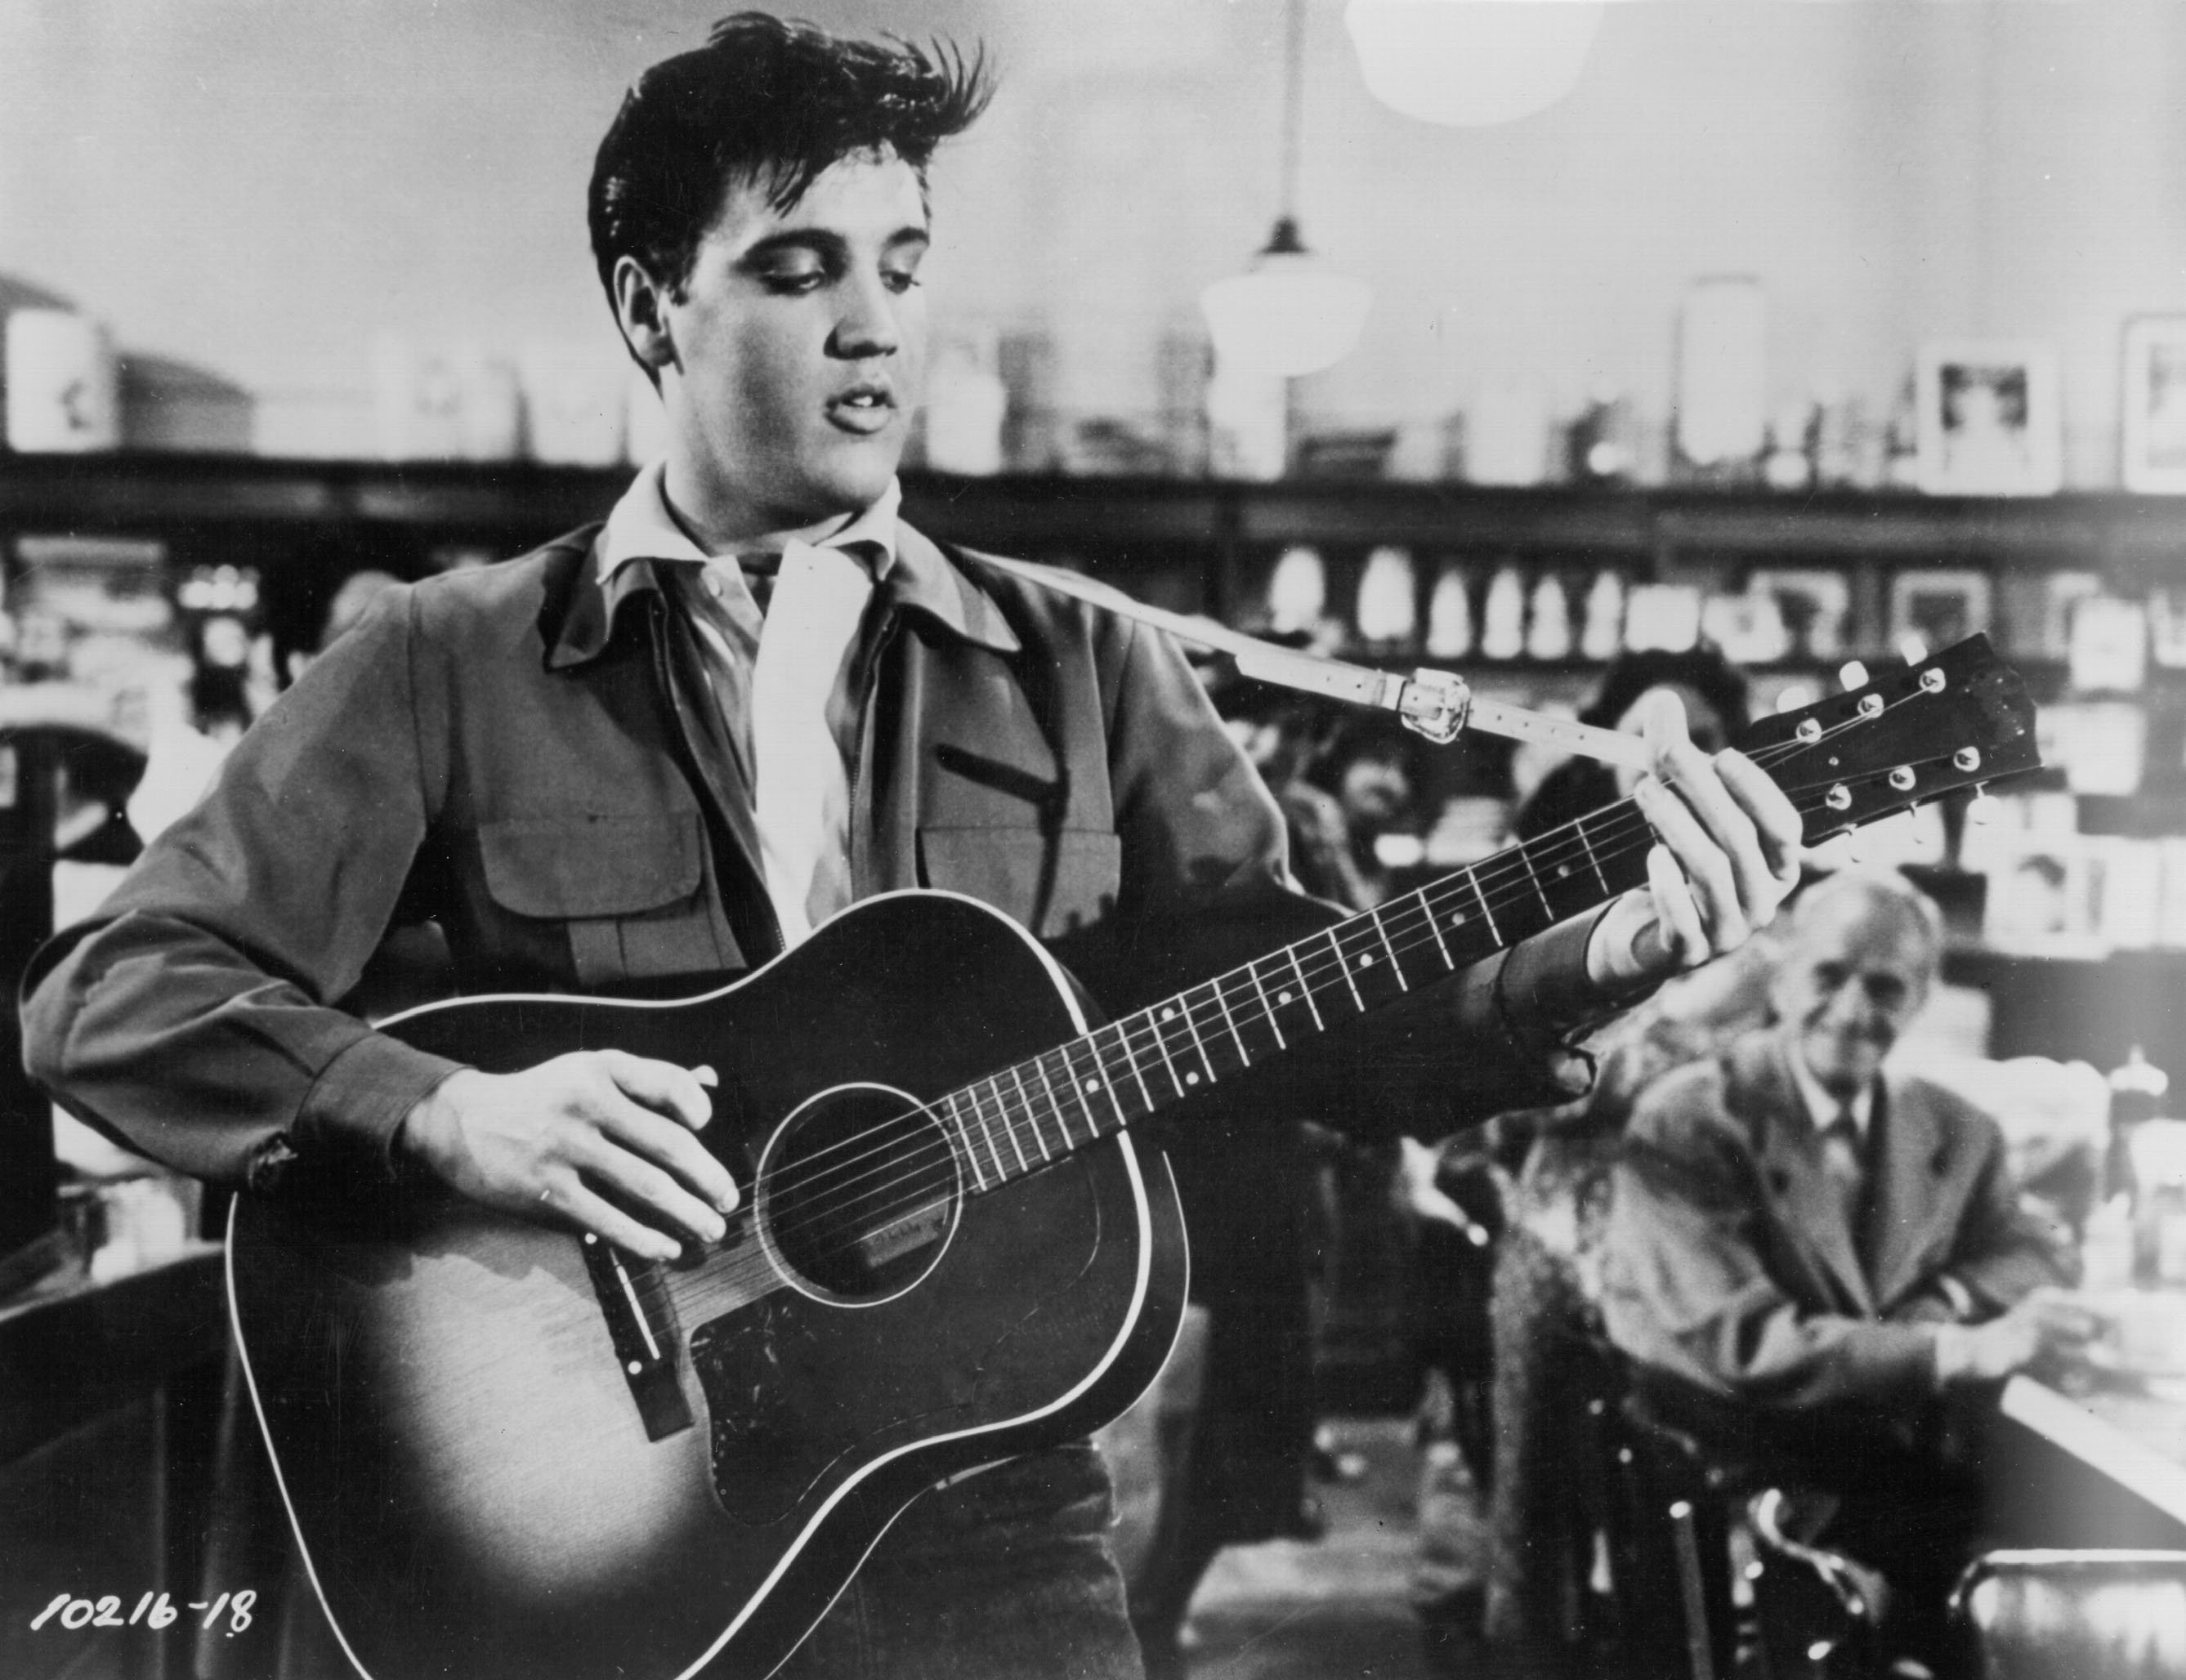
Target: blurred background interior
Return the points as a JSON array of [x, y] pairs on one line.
[[1808, 334]]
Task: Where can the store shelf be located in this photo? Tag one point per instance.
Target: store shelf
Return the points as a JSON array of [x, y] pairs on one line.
[[2131, 537]]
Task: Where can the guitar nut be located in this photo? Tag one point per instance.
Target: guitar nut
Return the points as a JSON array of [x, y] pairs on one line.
[[1966, 759], [1838, 798]]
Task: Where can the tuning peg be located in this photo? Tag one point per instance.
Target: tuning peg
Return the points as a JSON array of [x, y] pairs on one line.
[[1852, 674], [1915, 650], [1793, 695], [1985, 807]]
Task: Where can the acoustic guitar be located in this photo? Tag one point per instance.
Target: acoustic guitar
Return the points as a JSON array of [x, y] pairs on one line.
[[511, 1452]]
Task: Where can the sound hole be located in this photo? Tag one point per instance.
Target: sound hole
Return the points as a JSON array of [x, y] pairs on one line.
[[858, 1192]]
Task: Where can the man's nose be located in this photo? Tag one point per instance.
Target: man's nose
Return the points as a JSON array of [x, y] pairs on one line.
[[867, 325]]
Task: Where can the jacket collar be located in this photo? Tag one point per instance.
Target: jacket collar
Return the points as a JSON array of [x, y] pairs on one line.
[[1767, 1098], [924, 581]]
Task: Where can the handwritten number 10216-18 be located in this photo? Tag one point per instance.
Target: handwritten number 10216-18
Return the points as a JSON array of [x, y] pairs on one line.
[[153, 1611]]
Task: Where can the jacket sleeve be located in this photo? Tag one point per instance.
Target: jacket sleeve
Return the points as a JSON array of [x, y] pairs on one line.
[[1205, 887], [191, 1020], [1688, 1291], [2003, 1251]]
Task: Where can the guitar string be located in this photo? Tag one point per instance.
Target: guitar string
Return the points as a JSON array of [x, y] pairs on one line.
[[937, 1160], [1218, 1020], [943, 1156], [941, 1167]]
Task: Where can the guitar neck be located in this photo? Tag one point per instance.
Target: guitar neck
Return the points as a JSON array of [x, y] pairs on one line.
[[1020, 1119]]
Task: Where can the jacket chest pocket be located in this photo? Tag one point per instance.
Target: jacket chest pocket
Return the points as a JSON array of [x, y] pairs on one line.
[[629, 892], [1051, 884]]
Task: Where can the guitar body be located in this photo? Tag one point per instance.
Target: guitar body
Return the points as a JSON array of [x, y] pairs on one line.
[[480, 1488]]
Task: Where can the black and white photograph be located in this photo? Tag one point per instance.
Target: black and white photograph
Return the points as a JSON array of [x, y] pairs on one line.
[[1148, 840]]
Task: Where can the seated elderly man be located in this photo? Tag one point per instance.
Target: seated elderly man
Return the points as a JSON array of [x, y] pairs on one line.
[[1808, 1255]]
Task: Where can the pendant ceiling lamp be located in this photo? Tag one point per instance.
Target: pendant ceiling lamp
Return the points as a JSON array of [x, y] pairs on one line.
[[1287, 314], [1470, 64]]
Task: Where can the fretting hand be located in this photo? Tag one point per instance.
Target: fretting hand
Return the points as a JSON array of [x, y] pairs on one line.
[[545, 1142], [1726, 856]]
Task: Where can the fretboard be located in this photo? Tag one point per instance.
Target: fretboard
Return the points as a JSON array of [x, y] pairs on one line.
[[1019, 1120]]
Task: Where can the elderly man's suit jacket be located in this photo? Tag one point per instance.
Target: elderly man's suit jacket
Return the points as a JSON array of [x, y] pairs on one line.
[[1731, 1264]]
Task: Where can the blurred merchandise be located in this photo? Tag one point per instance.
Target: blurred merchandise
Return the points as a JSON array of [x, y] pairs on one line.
[[1468, 829], [1031, 439], [489, 420], [2166, 627], [1548, 630], [1427, 450], [2101, 746], [1813, 605], [1605, 618], [966, 405], [1388, 597], [1297, 591], [2109, 645], [1940, 605], [1601, 444], [1901, 455], [1667, 616], [1503, 629], [1450, 614], [417, 401], [1507, 433], [1722, 379], [1789, 462], [1748, 628], [1849, 446], [1349, 454], [62, 389]]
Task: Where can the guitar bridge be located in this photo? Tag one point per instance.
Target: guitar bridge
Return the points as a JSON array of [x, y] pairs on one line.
[[642, 1324]]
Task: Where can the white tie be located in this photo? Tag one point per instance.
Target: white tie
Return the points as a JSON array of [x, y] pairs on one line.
[[803, 785]]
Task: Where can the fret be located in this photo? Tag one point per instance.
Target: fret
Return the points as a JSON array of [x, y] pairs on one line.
[[1345, 966], [1307, 989], [1274, 1025], [1039, 1066], [1473, 877], [1010, 1126], [1193, 1027], [1146, 1096], [1224, 1004], [1161, 1044], [1098, 1083], [1525, 857], [987, 1132], [1587, 846], [964, 1138], [1435, 926], [1382, 928]]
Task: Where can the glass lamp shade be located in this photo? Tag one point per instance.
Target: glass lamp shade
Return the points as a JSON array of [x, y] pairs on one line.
[[1470, 64], [1287, 314]]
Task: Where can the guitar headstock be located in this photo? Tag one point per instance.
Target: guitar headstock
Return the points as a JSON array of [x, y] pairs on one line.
[[1956, 720]]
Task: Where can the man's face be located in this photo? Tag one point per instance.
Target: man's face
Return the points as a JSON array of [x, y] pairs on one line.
[[1854, 975], [1373, 790], [799, 351]]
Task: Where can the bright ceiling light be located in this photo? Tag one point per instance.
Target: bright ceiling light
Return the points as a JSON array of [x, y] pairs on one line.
[[1472, 62]]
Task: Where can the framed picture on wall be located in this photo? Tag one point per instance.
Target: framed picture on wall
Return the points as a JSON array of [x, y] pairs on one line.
[[2155, 391], [1988, 418], [1941, 606]]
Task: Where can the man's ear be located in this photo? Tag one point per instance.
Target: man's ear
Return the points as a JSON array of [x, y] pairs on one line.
[[641, 311]]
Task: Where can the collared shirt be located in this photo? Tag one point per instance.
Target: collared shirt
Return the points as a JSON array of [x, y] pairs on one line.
[[1825, 1107], [802, 790]]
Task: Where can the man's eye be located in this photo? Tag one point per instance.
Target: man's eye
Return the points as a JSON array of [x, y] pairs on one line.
[[900, 279], [792, 281]]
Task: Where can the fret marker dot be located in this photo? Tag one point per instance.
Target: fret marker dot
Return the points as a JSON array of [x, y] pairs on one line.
[[1169, 1015], [1092, 1085], [1458, 921], [1192, 1079], [634, 1368], [1562, 870], [1366, 961], [1282, 997]]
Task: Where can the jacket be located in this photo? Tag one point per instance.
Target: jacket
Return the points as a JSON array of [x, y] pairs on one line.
[[1729, 1264], [531, 761]]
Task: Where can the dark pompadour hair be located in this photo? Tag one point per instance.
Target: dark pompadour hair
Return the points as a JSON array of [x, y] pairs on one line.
[[767, 102]]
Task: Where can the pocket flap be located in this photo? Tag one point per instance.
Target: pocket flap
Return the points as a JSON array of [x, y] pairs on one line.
[[577, 866]]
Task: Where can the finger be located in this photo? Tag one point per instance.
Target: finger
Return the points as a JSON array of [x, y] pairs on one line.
[[652, 1189], [1678, 917], [597, 1214], [1695, 784], [1775, 819], [666, 1144], [661, 1086], [1707, 871]]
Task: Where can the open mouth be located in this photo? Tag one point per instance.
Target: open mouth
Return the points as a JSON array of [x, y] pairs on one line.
[[863, 409]]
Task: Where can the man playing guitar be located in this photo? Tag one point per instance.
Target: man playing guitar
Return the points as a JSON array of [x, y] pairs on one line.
[[651, 755]]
